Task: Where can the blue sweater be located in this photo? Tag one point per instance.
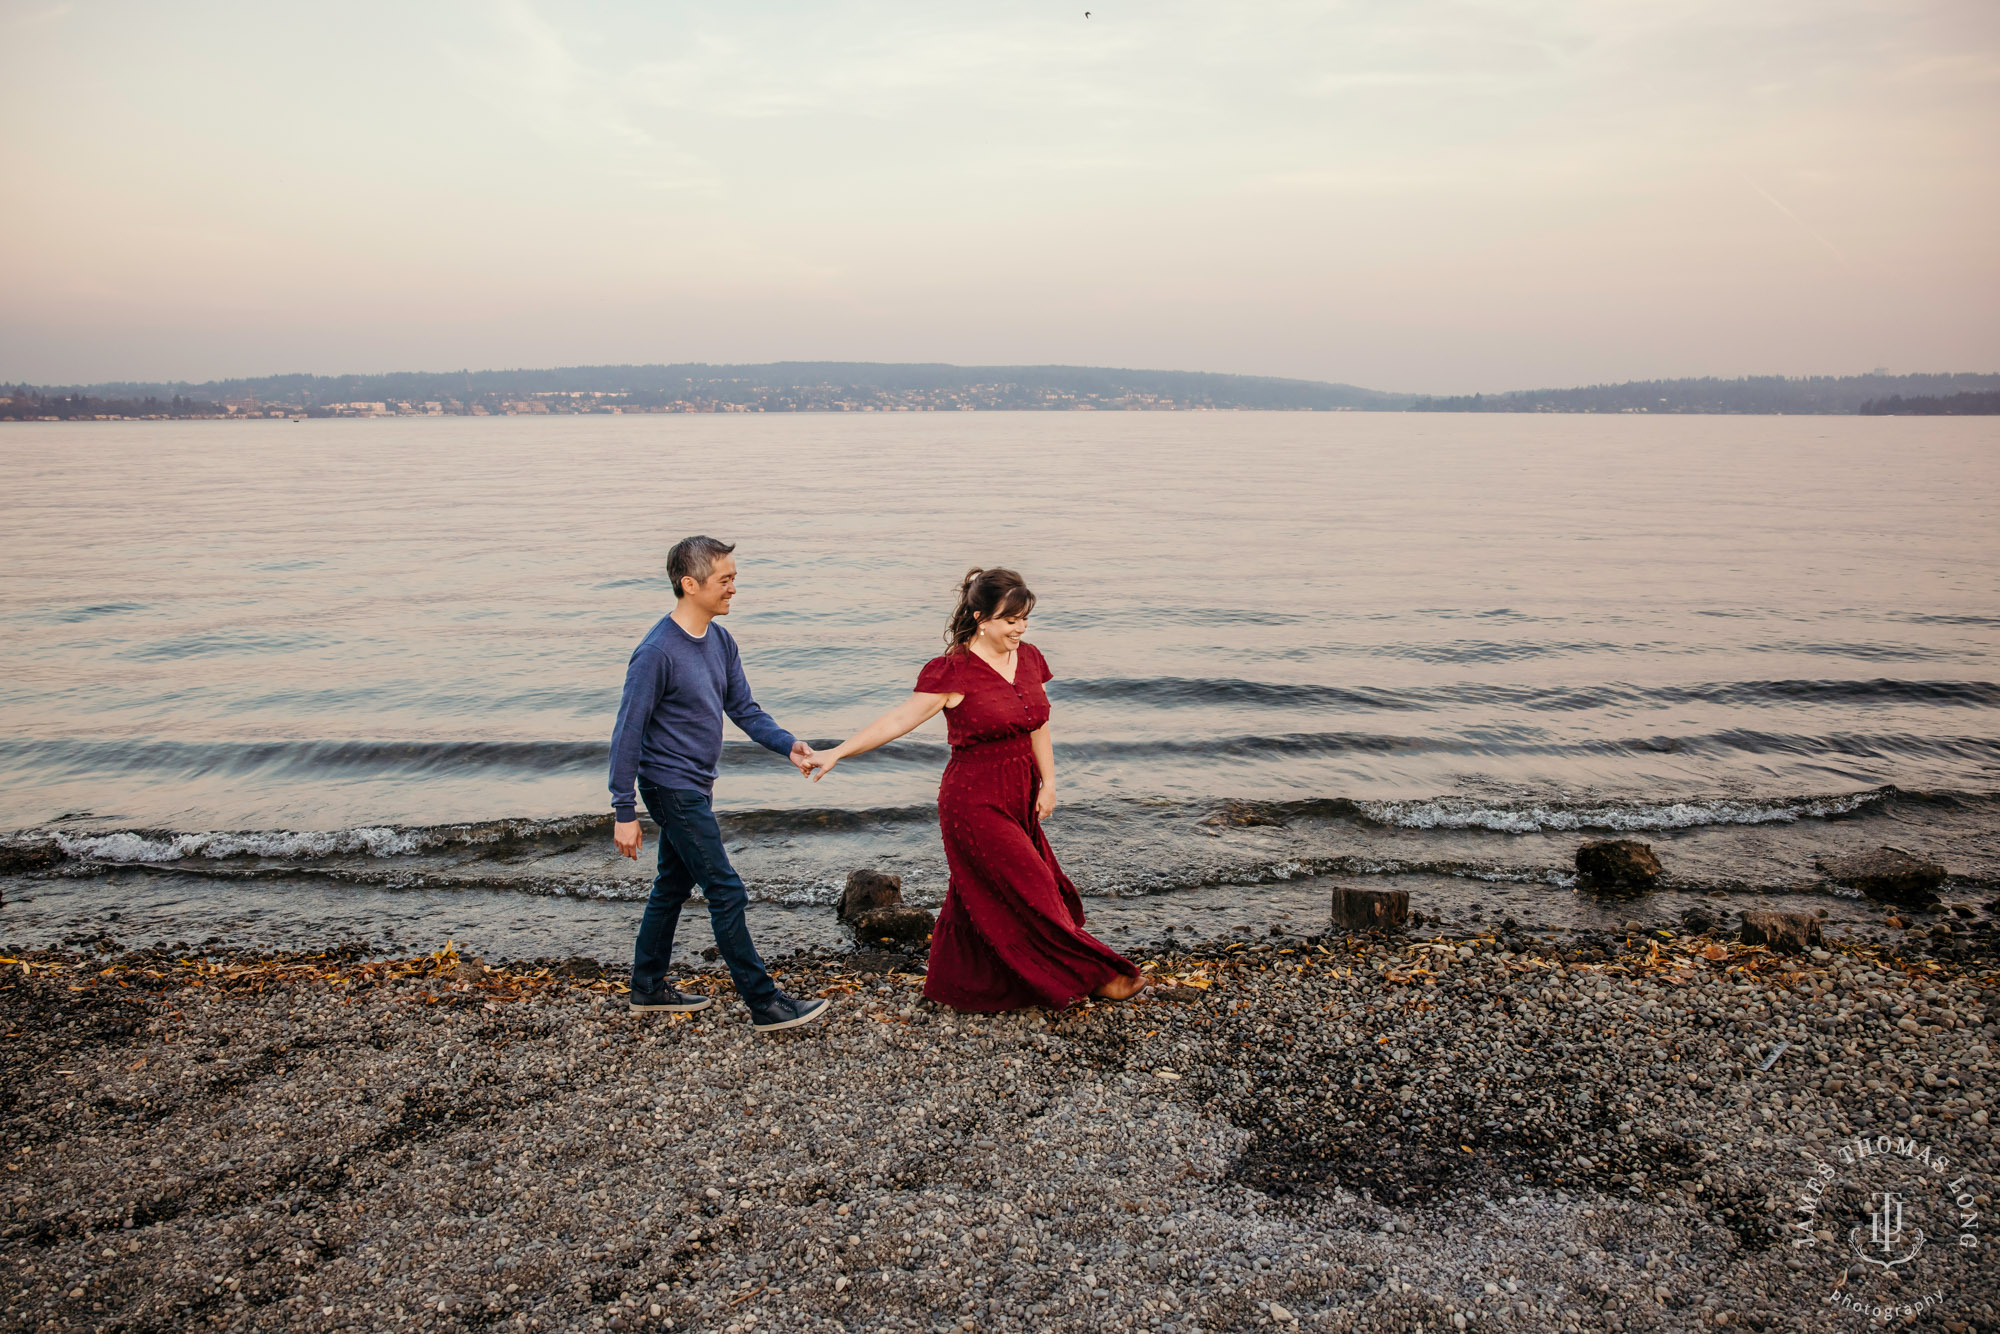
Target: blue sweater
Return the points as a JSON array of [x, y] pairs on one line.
[[669, 729]]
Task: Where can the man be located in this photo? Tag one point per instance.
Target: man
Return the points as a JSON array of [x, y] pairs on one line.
[[683, 677]]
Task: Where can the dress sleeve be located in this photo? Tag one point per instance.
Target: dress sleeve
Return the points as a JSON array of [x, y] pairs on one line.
[[1041, 664], [939, 677]]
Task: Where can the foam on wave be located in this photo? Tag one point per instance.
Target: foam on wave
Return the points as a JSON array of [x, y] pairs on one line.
[[1542, 817], [154, 847], [337, 851], [283, 844]]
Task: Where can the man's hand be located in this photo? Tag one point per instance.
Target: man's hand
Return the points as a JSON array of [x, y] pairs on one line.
[[625, 833], [800, 757], [1045, 801]]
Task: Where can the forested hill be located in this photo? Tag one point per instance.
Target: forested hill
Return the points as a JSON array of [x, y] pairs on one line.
[[1751, 394], [1946, 405]]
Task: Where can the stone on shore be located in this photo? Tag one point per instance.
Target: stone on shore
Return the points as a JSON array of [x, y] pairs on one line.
[[1370, 1135], [872, 962], [1357, 909], [23, 858], [1785, 932], [911, 925], [1886, 873], [868, 890], [1698, 921], [1619, 863]]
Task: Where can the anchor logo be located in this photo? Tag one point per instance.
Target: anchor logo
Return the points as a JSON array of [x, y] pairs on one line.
[[1885, 1234]]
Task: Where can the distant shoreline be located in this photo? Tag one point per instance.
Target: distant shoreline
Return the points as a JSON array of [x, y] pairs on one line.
[[857, 387], [838, 412]]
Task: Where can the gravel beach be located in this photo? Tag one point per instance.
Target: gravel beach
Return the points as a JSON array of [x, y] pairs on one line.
[[1345, 1133]]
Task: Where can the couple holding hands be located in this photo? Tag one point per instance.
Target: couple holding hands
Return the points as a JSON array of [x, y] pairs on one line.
[[1010, 933]]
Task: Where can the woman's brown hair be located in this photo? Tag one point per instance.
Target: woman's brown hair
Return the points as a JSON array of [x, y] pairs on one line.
[[983, 595]]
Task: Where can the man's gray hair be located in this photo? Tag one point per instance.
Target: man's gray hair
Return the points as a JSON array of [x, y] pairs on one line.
[[695, 557]]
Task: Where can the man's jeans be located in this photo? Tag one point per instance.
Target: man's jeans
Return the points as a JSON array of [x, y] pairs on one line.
[[691, 854]]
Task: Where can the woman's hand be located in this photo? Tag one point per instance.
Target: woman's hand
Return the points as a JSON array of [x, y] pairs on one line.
[[913, 712], [1045, 801]]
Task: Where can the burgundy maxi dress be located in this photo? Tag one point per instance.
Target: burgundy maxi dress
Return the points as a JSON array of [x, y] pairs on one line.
[[1010, 933]]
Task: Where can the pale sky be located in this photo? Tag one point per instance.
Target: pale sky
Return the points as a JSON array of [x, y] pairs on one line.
[[1439, 197]]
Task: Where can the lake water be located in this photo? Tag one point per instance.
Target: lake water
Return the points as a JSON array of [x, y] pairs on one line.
[[281, 681]]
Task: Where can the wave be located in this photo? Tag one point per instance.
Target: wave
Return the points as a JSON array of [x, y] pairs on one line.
[[201, 759], [526, 839], [128, 846], [1228, 692], [427, 759], [220, 642], [1553, 817], [155, 847], [505, 837], [1521, 740]]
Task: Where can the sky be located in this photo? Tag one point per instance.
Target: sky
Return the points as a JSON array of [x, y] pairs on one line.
[[1473, 195]]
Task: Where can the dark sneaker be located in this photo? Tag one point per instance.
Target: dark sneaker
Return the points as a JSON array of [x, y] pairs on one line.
[[670, 999], [787, 1012]]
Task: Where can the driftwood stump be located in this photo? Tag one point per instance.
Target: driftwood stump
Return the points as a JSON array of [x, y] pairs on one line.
[[868, 890], [872, 907], [1785, 932], [1356, 909]]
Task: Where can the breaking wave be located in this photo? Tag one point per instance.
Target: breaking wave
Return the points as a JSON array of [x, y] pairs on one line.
[[529, 837], [1632, 817]]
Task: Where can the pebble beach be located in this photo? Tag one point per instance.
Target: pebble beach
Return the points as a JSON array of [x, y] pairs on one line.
[[1337, 1132]]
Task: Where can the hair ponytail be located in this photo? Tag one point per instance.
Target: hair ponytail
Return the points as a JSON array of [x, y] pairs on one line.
[[982, 595]]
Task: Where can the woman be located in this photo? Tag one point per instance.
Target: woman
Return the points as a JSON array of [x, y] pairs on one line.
[[1011, 930]]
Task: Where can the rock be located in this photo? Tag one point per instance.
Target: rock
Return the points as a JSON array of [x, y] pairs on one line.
[[1886, 873], [579, 967], [471, 968], [868, 890], [21, 858], [1619, 863], [898, 923], [1786, 932], [1697, 921], [882, 961], [1357, 909]]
